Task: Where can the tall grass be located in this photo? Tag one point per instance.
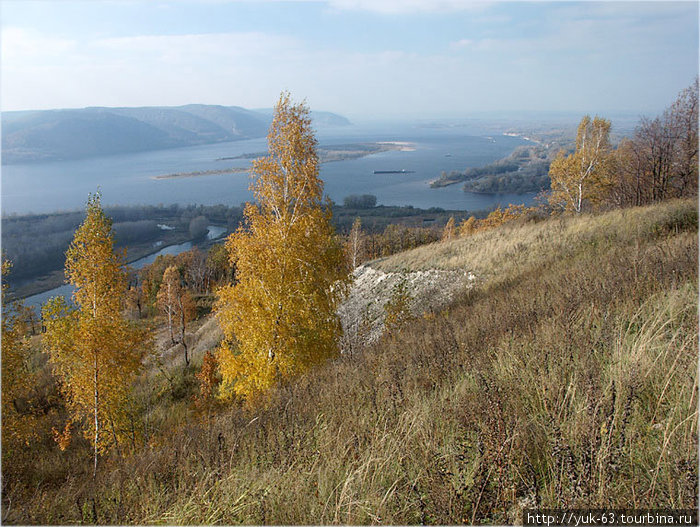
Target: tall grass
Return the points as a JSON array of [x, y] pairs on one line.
[[567, 378]]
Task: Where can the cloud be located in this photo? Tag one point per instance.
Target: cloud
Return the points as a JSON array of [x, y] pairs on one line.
[[546, 59]]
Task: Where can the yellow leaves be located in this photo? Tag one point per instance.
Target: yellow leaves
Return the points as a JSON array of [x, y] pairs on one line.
[[93, 349], [468, 226], [448, 232], [92, 265], [63, 438], [495, 218], [279, 319], [582, 177], [17, 379], [177, 305]]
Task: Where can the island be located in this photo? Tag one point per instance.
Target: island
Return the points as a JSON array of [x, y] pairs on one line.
[[343, 152], [200, 173]]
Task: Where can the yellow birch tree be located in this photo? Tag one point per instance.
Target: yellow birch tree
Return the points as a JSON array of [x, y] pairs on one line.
[[177, 306], [95, 352], [17, 416], [280, 318], [582, 176]]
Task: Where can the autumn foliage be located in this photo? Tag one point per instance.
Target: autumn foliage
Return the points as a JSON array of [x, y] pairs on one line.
[[177, 306], [581, 177], [95, 352], [280, 318], [496, 218], [17, 425]]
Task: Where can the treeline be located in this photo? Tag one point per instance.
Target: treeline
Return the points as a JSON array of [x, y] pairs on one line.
[[377, 218], [36, 244], [200, 273], [659, 162], [524, 170]]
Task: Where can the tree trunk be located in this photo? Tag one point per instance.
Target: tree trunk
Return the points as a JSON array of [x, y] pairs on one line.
[[97, 421]]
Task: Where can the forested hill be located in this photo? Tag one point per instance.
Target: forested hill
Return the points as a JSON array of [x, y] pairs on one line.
[[48, 135]]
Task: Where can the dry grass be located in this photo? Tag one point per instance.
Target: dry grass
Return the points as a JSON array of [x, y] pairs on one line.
[[568, 378], [514, 247]]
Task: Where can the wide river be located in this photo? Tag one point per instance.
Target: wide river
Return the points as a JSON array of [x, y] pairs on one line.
[[128, 178]]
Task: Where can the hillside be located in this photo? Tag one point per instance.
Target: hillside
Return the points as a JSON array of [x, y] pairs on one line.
[[49, 135], [548, 363]]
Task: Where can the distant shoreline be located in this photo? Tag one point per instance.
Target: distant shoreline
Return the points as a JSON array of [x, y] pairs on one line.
[[326, 155], [200, 173]]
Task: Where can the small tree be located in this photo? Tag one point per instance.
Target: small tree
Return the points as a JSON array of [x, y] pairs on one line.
[[94, 350], [582, 176], [448, 232], [355, 245], [280, 318], [208, 384], [177, 306]]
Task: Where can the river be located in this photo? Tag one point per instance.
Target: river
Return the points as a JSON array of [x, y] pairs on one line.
[[127, 179], [36, 301]]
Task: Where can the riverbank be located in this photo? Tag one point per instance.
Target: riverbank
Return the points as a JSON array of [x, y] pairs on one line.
[[524, 170], [55, 279]]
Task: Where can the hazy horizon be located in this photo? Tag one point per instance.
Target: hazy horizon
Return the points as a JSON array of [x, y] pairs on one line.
[[366, 60]]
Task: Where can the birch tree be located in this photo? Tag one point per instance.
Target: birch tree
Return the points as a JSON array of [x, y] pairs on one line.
[[280, 318], [581, 177], [355, 244], [177, 306], [94, 351]]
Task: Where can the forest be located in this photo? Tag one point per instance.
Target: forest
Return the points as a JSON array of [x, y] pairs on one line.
[[227, 386], [526, 169], [36, 244]]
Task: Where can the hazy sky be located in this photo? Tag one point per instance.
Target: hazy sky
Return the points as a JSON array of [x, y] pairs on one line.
[[361, 58]]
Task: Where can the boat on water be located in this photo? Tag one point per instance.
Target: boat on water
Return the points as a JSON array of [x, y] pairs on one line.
[[402, 171]]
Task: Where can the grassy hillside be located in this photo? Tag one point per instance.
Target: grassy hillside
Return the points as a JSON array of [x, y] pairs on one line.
[[567, 376]]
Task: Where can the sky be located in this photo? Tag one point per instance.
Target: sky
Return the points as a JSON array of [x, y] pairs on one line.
[[365, 59]]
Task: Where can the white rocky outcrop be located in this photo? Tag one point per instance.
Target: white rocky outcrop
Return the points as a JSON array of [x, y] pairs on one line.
[[362, 312]]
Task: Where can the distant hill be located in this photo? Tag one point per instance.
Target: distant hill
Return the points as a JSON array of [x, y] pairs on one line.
[[49, 135], [320, 119]]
